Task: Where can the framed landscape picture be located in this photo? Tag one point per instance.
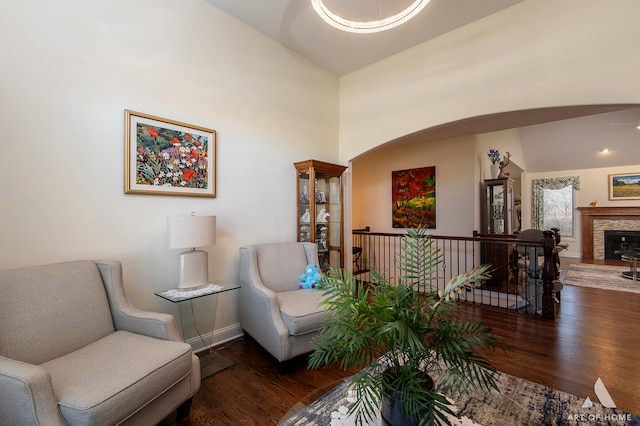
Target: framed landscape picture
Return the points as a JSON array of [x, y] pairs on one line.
[[414, 197], [624, 186], [167, 157]]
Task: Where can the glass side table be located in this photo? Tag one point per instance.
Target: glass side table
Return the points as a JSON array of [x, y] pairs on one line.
[[212, 362], [631, 255]]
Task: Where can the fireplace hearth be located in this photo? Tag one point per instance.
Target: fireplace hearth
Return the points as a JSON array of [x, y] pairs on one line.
[[617, 243]]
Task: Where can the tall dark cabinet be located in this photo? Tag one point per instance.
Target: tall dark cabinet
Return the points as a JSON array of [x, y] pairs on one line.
[[498, 220], [498, 207]]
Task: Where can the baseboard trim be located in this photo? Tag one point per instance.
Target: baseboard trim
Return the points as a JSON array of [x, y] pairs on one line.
[[571, 255], [215, 338]]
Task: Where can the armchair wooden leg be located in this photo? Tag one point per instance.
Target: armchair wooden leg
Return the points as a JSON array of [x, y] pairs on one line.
[[183, 410]]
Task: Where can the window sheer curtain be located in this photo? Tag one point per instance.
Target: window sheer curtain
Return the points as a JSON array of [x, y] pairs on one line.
[[548, 183]]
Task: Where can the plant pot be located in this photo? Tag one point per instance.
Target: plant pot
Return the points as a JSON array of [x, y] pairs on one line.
[[393, 413]]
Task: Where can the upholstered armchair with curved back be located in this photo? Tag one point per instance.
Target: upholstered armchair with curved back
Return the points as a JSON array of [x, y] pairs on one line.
[[74, 351], [280, 316]]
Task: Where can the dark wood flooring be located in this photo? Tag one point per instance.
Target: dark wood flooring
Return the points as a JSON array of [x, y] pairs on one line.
[[596, 334]]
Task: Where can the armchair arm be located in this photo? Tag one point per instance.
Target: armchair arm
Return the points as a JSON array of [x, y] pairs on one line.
[[126, 316], [27, 395], [260, 313]]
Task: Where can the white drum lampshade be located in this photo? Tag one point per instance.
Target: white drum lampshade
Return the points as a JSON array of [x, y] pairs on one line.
[[191, 232]]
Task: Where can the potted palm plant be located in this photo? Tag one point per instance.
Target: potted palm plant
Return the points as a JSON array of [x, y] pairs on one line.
[[403, 336]]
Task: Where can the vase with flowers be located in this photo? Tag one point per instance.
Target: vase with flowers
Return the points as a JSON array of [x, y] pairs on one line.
[[494, 156]]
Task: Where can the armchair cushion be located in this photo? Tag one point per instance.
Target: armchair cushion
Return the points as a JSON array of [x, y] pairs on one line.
[[89, 382], [300, 311]]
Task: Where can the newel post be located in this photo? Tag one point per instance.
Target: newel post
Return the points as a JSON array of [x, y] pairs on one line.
[[548, 275]]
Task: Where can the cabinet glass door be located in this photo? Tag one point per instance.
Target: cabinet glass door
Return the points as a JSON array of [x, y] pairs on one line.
[[496, 203], [498, 207]]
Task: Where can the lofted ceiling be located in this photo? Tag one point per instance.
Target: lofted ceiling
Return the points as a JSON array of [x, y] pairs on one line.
[[575, 135], [294, 24]]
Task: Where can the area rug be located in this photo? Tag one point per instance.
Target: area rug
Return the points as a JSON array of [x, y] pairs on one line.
[[600, 276], [520, 402]]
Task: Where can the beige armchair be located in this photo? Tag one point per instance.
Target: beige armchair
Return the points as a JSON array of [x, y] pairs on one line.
[[280, 316], [74, 351]]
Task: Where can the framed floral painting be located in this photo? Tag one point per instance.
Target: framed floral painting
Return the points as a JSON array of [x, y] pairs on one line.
[[167, 157], [414, 197]]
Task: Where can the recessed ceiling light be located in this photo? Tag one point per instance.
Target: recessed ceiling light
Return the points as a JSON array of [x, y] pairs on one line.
[[604, 150]]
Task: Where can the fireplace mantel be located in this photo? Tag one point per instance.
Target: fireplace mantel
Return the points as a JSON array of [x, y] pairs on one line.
[[590, 214]]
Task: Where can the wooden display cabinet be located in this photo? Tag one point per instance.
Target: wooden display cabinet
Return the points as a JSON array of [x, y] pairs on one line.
[[320, 209], [498, 207], [498, 220]]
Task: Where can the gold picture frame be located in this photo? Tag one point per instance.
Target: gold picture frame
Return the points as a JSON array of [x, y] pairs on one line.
[[168, 157]]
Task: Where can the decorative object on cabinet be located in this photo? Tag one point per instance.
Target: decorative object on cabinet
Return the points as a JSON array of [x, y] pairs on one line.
[[503, 165], [495, 170], [414, 198], [306, 217], [320, 217], [167, 157], [191, 232], [494, 156], [624, 187]]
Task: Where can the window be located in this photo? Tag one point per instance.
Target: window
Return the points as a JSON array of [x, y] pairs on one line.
[[553, 203], [557, 209]]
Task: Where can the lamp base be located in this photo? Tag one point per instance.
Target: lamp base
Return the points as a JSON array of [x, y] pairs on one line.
[[193, 269]]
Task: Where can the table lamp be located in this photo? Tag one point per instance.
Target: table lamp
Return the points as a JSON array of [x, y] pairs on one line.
[[191, 232]]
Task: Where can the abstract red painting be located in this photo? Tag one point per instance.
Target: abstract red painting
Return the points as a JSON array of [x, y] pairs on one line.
[[414, 197]]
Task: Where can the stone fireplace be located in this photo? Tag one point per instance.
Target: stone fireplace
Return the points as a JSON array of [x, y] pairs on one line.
[[597, 220]]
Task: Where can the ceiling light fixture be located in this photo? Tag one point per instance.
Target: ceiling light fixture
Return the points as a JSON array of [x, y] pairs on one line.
[[367, 26]]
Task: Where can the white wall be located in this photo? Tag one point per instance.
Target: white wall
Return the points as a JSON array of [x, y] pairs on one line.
[[535, 54], [454, 160], [70, 68], [461, 165]]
